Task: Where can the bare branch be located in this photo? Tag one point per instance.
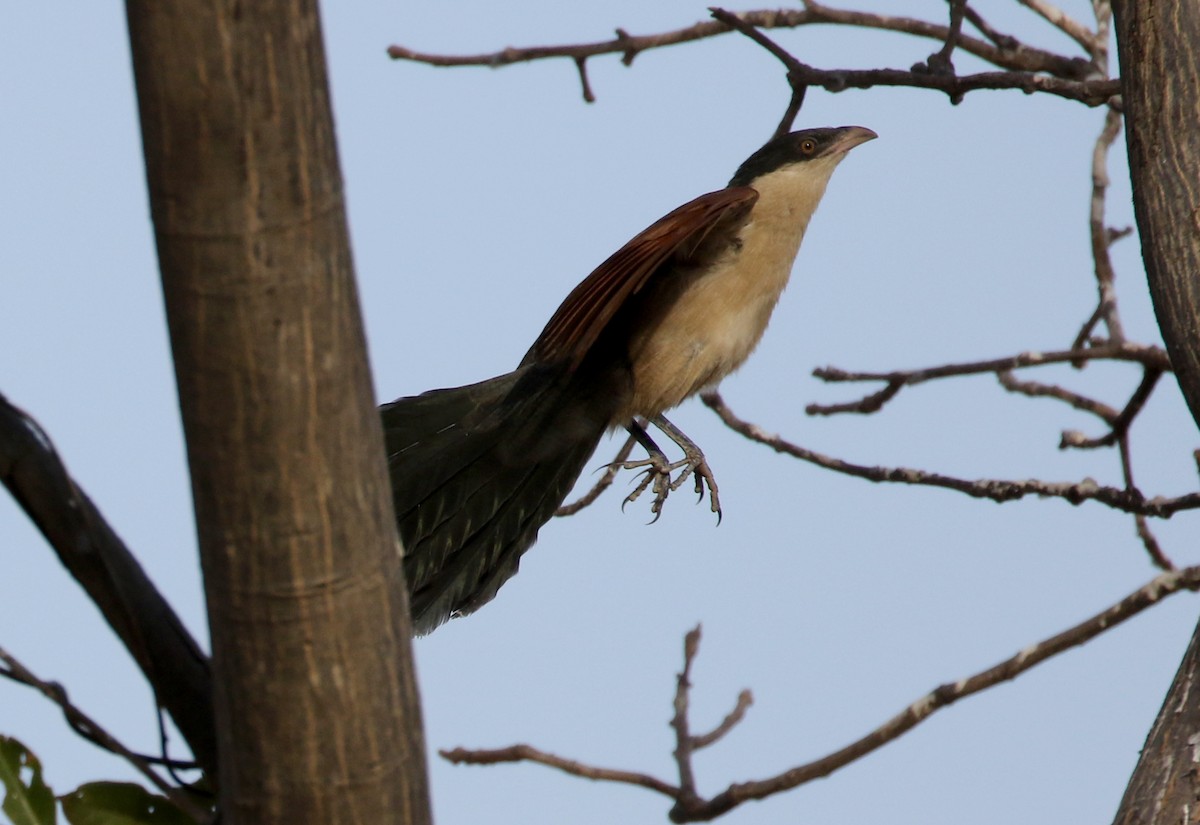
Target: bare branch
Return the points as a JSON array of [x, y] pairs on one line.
[[744, 701], [528, 753], [679, 721], [1062, 21], [1088, 92], [1153, 549], [795, 68], [588, 95], [95, 556], [1005, 42], [1085, 332], [1101, 237], [1036, 389], [1150, 356], [91, 730], [1120, 425], [610, 473], [998, 490], [690, 807], [1013, 56], [947, 694], [941, 62]]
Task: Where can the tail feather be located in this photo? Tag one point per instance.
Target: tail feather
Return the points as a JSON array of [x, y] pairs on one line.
[[471, 575], [476, 471]]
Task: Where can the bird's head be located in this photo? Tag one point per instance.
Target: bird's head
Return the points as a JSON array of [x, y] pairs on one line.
[[812, 152], [790, 172]]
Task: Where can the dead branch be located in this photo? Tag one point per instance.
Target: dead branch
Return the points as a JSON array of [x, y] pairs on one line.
[[1120, 424], [1036, 389], [1149, 356], [795, 69], [1024, 67], [1102, 237], [691, 807], [1016, 57], [528, 753], [1063, 22], [1131, 501]]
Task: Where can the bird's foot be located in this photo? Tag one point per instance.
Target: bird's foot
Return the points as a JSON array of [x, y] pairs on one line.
[[656, 473], [658, 470]]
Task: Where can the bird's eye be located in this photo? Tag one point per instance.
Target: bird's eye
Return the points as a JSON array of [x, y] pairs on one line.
[[808, 146]]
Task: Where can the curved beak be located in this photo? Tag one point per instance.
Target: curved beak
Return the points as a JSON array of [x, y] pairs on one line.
[[850, 137]]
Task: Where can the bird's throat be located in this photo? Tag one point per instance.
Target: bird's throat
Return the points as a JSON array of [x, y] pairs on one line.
[[714, 324]]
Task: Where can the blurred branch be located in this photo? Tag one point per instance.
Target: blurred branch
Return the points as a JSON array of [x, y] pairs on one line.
[[1102, 237], [88, 728], [691, 807], [1036, 389], [998, 490], [1120, 424], [941, 61], [1062, 21], [528, 753], [1024, 67]]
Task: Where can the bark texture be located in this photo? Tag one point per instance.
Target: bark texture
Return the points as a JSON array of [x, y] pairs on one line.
[[1159, 47], [314, 696]]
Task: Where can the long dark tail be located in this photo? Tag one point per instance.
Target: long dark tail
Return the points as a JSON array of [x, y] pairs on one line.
[[476, 471]]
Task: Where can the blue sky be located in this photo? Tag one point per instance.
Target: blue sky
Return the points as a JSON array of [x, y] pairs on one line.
[[477, 199]]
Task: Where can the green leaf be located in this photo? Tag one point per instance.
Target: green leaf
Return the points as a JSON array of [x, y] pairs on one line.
[[27, 800], [120, 803]]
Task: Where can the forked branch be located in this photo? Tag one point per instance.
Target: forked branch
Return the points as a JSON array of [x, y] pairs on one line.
[[1021, 66], [690, 806]]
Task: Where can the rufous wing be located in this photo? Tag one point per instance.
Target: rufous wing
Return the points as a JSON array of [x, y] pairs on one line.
[[578, 322]]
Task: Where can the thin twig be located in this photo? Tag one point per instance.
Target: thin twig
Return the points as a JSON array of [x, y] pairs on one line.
[[941, 61], [1150, 542], [1036, 389], [998, 490], [744, 701], [1062, 21], [1141, 524], [1120, 425], [1085, 333], [1005, 42], [610, 473], [1151, 357], [679, 721], [1100, 236], [93, 732], [795, 69], [528, 753]]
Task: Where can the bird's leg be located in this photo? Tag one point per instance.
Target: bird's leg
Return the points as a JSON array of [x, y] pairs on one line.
[[693, 462], [658, 468]]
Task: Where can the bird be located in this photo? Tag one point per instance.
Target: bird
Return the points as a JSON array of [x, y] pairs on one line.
[[477, 470]]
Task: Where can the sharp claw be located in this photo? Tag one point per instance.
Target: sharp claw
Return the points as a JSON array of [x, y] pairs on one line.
[[656, 475]]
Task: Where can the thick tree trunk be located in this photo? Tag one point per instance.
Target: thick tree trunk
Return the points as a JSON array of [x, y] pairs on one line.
[[315, 701], [1159, 46]]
